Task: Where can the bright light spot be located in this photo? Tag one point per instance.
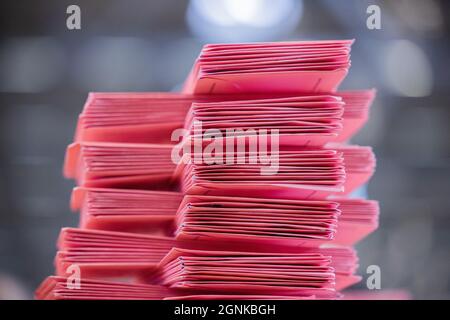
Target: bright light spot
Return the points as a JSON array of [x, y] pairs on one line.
[[212, 12], [408, 70], [235, 20], [255, 13], [245, 12]]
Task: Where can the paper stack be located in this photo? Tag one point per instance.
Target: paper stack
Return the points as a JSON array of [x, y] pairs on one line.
[[235, 188]]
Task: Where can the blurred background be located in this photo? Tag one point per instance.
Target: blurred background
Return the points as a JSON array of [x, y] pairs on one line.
[[47, 70]]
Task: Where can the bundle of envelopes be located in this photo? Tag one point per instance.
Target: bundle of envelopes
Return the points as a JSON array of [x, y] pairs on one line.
[[310, 273], [134, 117], [57, 288], [356, 111], [359, 218], [125, 210], [194, 217], [118, 116], [290, 174], [168, 210], [99, 253], [359, 163], [144, 211], [295, 222], [110, 255], [298, 66], [248, 273], [299, 120], [299, 174], [152, 117], [119, 165], [290, 223]]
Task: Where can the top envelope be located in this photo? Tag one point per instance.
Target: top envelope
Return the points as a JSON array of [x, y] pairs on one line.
[[297, 66]]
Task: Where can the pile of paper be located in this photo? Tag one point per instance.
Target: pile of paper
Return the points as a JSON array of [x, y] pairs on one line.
[[236, 188]]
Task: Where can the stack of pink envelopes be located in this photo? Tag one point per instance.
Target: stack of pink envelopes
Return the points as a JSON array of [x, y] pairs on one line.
[[105, 254], [289, 223], [299, 121], [299, 67], [57, 288], [127, 210], [248, 273], [108, 164], [236, 188]]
